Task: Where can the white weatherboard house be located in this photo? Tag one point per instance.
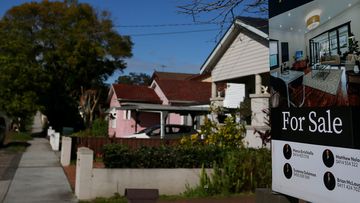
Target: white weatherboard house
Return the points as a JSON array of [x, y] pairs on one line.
[[242, 57]]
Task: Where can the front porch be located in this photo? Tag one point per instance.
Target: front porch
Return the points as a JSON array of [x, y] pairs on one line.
[[164, 111]]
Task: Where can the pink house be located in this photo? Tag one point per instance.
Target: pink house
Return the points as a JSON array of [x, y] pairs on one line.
[[166, 90]]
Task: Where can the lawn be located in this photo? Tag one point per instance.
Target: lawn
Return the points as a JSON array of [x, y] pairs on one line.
[[17, 141], [244, 198], [18, 137]]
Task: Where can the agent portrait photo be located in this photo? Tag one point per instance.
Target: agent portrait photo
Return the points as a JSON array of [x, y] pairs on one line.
[[287, 151], [329, 180], [328, 158], [287, 170]]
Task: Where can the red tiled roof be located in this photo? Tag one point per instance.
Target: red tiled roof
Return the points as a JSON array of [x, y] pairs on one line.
[[200, 77], [172, 76], [136, 93], [186, 90]]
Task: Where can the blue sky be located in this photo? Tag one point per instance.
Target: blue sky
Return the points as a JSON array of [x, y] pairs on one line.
[[163, 52]]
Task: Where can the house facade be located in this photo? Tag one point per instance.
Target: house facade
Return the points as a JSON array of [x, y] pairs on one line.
[[171, 98], [126, 122], [242, 58]]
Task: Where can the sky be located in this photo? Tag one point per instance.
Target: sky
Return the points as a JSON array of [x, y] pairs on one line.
[[184, 50]]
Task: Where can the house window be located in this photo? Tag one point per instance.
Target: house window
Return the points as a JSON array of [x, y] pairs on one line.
[[127, 115], [284, 52], [274, 54], [331, 42]]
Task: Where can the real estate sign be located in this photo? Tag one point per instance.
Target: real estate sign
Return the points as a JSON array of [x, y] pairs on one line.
[[316, 153], [315, 116]]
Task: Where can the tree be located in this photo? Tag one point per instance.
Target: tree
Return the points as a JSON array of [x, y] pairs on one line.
[[89, 99], [135, 79], [223, 11], [51, 53]]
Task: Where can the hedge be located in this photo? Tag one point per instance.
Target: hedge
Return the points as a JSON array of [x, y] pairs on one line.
[[235, 169], [120, 156]]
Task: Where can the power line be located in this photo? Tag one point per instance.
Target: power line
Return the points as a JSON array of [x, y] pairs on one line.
[[172, 24], [176, 32], [171, 33]]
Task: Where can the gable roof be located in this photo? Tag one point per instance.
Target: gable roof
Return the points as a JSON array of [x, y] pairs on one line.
[[138, 93], [261, 24], [172, 76], [200, 77], [186, 91], [255, 26]]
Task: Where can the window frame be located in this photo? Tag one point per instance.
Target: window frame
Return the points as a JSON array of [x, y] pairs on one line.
[[277, 54]]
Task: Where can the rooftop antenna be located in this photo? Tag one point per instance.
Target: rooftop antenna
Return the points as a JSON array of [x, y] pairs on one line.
[[163, 67]]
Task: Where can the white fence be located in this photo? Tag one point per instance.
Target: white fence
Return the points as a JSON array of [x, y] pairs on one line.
[[94, 182], [54, 139]]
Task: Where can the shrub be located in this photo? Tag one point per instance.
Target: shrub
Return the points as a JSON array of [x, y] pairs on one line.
[[235, 169], [99, 128], [241, 170], [82, 133], [119, 156], [229, 134], [245, 110]]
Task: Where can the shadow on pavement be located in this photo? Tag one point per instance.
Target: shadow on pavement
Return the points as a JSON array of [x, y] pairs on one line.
[[39, 135], [16, 144]]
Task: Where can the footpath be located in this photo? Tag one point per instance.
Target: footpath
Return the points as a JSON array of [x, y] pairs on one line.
[[39, 177]]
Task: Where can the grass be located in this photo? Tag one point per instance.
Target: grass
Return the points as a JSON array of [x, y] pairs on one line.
[[114, 199], [196, 196], [17, 141], [18, 137], [120, 199]]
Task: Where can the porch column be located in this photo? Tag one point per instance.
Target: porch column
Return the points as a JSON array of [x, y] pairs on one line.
[[257, 84], [192, 121], [213, 90], [163, 115], [136, 121]]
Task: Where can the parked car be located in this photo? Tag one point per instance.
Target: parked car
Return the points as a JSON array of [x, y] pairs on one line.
[[171, 132]]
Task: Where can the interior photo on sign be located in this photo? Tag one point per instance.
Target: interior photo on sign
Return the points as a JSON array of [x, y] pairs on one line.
[[314, 55]]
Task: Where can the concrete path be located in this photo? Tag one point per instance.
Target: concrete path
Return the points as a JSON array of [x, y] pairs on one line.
[[39, 177]]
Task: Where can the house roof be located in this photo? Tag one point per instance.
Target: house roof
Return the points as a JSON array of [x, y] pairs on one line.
[[186, 91], [258, 23], [200, 77], [172, 76], [255, 26], [138, 93], [159, 107]]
